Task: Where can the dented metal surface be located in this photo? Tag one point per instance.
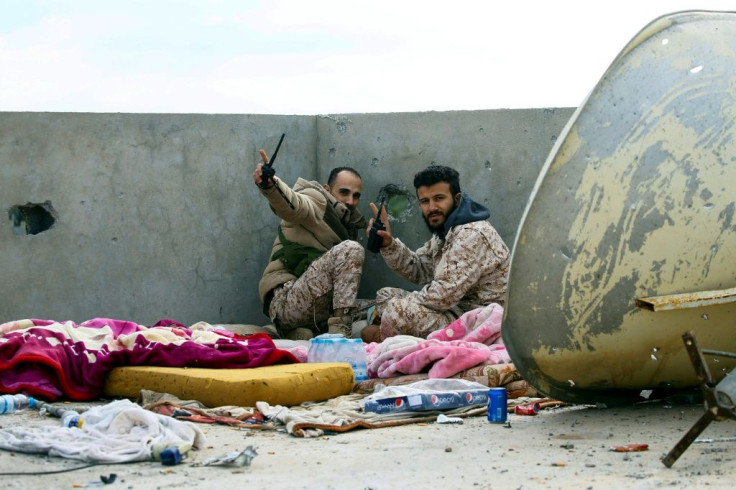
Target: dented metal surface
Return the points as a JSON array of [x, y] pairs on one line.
[[636, 200]]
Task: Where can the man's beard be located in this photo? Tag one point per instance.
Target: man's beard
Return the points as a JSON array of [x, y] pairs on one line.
[[440, 228]]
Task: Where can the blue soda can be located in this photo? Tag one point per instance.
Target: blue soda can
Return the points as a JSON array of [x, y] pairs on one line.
[[497, 405]]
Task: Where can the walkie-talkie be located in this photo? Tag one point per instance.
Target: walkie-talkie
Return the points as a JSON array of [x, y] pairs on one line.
[[267, 171], [374, 241]]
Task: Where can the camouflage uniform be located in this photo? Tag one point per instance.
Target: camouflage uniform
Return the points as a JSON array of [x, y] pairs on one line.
[[319, 221], [466, 270], [330, 281]]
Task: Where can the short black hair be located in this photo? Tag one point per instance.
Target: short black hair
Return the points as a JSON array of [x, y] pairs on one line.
[[337, 170], [434, 174]]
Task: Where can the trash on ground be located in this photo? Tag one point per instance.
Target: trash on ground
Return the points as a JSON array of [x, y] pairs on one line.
[[235, 458], [628, 448], [444, 419], [531, 409]]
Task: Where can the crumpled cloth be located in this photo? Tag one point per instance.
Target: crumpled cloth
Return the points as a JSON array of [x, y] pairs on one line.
[[344, 413], [472, 339], [170, 405], [118, 432], [51, 360], [479, 325]]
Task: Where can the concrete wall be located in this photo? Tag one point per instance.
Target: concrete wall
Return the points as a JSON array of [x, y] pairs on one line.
[[157, 215]]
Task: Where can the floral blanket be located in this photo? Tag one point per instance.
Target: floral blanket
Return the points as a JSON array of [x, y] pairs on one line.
[[52, 360]]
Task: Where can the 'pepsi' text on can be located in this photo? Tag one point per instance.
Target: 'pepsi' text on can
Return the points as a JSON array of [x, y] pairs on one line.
[[497, 405]]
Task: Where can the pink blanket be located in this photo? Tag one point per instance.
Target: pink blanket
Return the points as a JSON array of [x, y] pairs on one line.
[[52, 360], [472, 339]]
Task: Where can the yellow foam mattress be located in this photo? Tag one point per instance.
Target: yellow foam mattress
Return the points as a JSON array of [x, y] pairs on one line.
[[283, 384]]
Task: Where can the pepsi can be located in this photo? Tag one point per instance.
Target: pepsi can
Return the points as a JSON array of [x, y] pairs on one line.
[[531, 409], [497, 405]]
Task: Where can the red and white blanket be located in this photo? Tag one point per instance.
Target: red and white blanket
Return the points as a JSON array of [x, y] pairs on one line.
[[52, 360]]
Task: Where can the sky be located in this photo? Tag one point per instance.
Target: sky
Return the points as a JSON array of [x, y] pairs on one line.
[[312, 56]]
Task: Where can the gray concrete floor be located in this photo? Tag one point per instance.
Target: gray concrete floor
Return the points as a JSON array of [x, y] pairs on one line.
[[567, 447]]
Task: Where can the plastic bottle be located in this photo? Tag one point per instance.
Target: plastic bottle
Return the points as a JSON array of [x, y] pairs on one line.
[[171, 456], [13, 403], [358, 360], [336, 348], [71, 418]]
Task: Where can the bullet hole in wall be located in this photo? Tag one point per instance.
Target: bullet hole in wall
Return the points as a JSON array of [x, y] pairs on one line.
[[398, 201], [32, 218]]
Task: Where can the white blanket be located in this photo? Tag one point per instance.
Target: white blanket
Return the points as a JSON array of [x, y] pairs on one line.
[[118, 432]]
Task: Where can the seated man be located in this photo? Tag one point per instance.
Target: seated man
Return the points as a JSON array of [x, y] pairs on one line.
[[462, 267], [315, 266]]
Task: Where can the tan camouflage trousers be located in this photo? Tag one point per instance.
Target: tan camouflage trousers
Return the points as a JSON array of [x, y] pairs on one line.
[[329, 283], [401, 315]]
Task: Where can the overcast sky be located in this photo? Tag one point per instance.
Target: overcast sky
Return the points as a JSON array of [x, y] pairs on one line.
[[312, 56]]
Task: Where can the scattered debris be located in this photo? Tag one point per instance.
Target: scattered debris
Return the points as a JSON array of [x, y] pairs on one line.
[[444, 419], [108, 479], [104, 480], [628, 448], [530, 409], [715, 439], [235, 458], [170, 456]]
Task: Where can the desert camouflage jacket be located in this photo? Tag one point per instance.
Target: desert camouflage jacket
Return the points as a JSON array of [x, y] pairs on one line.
[[466, 270], [316, 220]]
